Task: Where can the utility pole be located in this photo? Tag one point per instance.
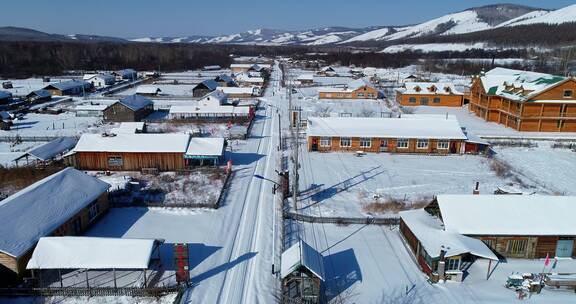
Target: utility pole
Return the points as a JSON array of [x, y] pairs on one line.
[[295, 128]]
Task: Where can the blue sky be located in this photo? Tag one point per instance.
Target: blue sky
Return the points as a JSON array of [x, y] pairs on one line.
[[144, 18]]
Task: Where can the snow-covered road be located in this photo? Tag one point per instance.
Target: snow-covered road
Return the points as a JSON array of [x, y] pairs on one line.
[[244, 274]]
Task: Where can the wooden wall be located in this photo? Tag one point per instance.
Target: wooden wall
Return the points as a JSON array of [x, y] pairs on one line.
[[391, 147], [131, 161], [538, 246], [445, 100], [530, 116], [17, 267], [350, 95]]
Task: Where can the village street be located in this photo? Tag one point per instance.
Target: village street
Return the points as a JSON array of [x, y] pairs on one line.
[[242, 268]]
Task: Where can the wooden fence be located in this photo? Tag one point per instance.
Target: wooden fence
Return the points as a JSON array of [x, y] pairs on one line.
[[342, 220], [90, 292], [19, 138]]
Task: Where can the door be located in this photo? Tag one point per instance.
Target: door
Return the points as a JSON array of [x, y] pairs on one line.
[[383, 145], [564, 248], [314, 144]]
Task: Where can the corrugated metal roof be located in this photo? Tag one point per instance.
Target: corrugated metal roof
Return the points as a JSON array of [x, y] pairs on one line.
[[209, 83], [67, 85], [302, 255], [40, 94], [135, 102], [4, 95]]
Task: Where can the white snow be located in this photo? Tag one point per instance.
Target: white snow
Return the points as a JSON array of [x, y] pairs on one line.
[[418, 127], [431, 234], [40, 208], [302, 254], [563, 15], [151, 143], [51, 149], [372, 35], [426, 88], [205, 146], [527, 16], [69, 252], [508, 214], [437, 47]]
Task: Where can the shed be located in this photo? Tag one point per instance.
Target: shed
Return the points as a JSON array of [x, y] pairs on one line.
[[204, 88], [225, 80], [39, 95], [50, 150], [211, 68], [302, 271], [126, 74], [5, 97], [130, 108], [64, 203], [204, 149], [90, 110], [100, 80], [91, 253]]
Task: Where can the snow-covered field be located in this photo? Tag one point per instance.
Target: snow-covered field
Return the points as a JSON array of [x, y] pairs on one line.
[[65, 124], [341, 184], [176, 90], [552, 168], [371, 264]]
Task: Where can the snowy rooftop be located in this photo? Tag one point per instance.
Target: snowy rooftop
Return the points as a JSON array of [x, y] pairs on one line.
[[306, 77], [147, 143], [51, 149], [40, 208], [205, 146], [302, 255], [236, 90], [208, 109], [66, 85], [243, 77], [208, 83], [135, 102], [69, 252], [508, 214], [129, 127], [516, 84], [218, 95], [413, 127], [428, 88], [430, 233]]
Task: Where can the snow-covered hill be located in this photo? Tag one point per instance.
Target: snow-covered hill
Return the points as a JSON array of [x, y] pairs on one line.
[[563, 15]]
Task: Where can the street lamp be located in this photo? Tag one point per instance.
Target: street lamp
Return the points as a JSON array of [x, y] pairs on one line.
[[276, 185]]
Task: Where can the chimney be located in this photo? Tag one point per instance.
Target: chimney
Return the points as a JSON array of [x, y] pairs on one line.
[[476, 190]]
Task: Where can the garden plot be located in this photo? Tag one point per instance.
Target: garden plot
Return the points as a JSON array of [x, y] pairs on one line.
[[181, 90], [342, 184], [203, 129], [199, 187], [553, 168], [40, 125], [371, 264]]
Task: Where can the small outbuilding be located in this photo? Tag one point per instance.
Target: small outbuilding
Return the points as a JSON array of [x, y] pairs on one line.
[[302, 274], [126, 74], [225, 80], [5, 97], [130, 108], [100, 80], [204, 88], [49, 151], [39, 96], [148, 90]]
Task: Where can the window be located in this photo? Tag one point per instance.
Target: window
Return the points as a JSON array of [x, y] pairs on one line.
[[424, 101], [115, 161], [412, 100], [325, 141], [365, 142], [567, 93], [422, 144], [491, 243], [436, 100], [76, 226], [443, 144], [93, 210], [402, 144], [517, 246], [452, 264], [370, 95], [345, 142], [360, 94]]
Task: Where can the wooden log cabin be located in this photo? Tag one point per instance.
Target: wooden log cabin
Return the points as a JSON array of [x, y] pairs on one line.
[[63, 204], [512, 226], [136, 152], [357, 89], [429, 94], [525, 101], [131, 108], [71, 88], [426, 134]]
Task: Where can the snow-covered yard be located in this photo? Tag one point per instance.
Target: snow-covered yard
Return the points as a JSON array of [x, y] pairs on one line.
[[342, 184], [184, 90], [202, 186], [553, 168], [65, 124], [371, 264]]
